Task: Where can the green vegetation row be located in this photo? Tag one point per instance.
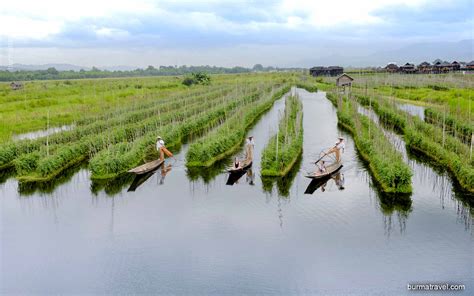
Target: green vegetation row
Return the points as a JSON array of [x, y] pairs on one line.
[[117, 159], [59, 102], [385, 162], [40, 104], [12, 150], [38, 167], [455, 126], [283, 150], [228, 137], [430, 141], [400, 120], [140, 105]]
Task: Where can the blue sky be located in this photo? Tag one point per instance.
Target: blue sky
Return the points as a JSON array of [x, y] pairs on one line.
[[279, 33]]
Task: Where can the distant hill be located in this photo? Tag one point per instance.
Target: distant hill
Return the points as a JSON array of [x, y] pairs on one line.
[[59, 67], [420, 52], [415, 53], [64, 67]]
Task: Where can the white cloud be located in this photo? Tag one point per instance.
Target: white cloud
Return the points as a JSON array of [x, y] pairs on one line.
[[32, 19], [323, 13], [111, 33], [23, 27]]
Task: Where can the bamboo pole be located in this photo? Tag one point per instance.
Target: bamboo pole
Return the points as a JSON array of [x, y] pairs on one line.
[[472, 143], [47, 135], [444, 124]]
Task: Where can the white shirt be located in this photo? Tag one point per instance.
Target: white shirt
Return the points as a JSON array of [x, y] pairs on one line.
[[160, 143], [341, 145]]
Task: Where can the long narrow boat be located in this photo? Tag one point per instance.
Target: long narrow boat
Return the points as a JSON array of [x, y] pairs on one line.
[[330, 169], [147, 167]]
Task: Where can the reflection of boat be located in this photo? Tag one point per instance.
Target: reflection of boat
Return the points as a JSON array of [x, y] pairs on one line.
[[245, 166], [236, 173], [147, 167], [315, 184], [139, 180], [165, 169], [234, 177], [330, 169]]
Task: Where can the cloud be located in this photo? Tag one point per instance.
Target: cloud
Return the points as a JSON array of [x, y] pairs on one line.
[[188, 27]]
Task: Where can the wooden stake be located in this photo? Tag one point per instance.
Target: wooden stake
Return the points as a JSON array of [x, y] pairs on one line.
[[47, 135], [472, 143]]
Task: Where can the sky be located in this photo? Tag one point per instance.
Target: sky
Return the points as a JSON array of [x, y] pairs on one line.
[[233, 33]]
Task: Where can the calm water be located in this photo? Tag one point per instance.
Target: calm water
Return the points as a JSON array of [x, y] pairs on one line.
[[414, 110], [43, 133], [190, 233]]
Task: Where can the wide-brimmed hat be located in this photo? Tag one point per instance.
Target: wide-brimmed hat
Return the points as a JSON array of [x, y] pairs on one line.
[[158, 137], [340, 138]]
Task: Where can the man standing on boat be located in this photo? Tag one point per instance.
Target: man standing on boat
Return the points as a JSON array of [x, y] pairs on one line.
[[160, 144], [249, 146], [340, 145]]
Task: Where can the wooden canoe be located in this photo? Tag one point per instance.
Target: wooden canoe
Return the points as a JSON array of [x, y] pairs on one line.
[[245, 166], [330, 169], [147, 167]]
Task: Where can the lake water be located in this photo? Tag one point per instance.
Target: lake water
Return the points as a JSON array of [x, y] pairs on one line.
[[190, 233], [412, 109], [43, 133]]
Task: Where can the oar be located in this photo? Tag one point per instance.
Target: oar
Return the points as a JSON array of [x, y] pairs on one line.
[[320, 158]]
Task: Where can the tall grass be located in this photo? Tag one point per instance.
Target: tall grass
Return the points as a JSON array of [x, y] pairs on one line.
[[385, 162], [430, 140], [283, 149], [227, 138]]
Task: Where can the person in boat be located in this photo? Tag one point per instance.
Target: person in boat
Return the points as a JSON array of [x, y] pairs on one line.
[[249, 146], [237, 164], [338, 147], [321, 168], [160, 144]]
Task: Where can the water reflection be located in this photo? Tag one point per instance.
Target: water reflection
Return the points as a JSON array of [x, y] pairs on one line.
[[315, 184], [414, 110], [43, 133], [283, 184], [164, 170], [139, 180], [6, 174], [234, 177], [112, 186], [207, 174], [29, 188]]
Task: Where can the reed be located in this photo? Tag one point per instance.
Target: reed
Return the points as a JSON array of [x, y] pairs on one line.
[[228, 138], [283, 149], [385, 163]]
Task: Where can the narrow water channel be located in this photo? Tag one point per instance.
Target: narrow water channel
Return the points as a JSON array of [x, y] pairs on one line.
[[191, 233], [43, 133]]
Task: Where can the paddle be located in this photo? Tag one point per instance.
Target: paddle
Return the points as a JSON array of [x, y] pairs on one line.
[[320, 158]]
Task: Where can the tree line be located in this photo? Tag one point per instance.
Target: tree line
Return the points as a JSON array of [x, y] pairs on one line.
[[52, 73]]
